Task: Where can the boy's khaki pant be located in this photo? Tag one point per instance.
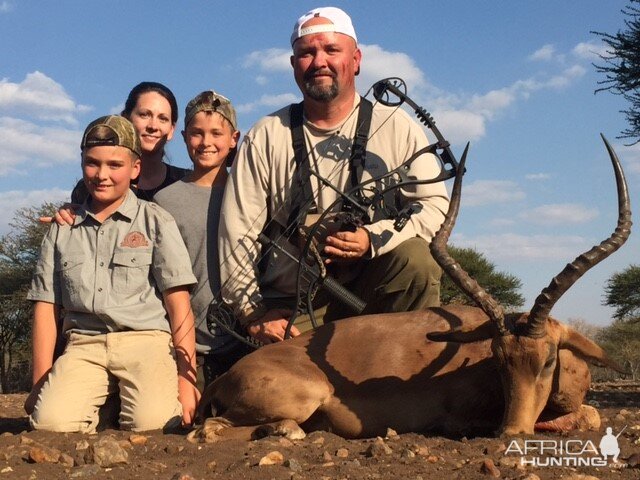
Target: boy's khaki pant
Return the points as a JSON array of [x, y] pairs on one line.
[[138, 363]]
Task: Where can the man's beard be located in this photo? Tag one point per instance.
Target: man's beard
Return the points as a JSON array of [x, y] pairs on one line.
[[321, 93]]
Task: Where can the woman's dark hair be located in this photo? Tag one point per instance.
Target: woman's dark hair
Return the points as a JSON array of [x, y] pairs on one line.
[[145, 87]]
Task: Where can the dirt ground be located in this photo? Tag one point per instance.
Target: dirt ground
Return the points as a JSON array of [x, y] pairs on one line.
[[114, 454]]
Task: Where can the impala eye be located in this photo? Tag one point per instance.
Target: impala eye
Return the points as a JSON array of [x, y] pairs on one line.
[[550, 362]]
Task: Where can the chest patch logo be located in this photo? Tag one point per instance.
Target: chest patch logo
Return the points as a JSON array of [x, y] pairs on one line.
[[134, 240]]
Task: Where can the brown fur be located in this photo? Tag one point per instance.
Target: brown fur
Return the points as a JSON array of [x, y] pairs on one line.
[[420, 371]]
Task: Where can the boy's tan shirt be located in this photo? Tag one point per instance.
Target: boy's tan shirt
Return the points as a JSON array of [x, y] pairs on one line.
[[109, 277]]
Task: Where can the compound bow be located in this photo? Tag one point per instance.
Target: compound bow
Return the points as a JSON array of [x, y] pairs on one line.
[[366, 196]]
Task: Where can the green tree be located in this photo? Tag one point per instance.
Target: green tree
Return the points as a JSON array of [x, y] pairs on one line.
[[503, 287], [622, 68], [19, 252], [587, 329], [621, 340], [622, 292]]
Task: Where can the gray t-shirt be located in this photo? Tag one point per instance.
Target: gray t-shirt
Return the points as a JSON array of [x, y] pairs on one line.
[[196, 210]]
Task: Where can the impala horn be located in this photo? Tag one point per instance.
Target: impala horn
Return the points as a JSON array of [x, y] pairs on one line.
[[452, 268], [574, 270]]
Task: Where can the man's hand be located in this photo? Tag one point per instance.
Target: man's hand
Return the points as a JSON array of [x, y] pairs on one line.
[[188, 396], [344, 246], [65, 215], [272, 326]]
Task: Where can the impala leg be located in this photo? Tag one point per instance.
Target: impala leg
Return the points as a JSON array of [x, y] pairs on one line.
[[219, 428], [585, 418]]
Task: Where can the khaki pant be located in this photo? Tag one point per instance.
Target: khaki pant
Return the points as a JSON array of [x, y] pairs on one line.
[[405, 279], [138, 364]]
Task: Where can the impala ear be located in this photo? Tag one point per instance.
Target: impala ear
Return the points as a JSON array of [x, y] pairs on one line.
[[484, 331], [588, 350]]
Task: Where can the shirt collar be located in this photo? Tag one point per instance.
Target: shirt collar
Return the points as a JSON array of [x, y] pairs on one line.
[[127, 209]]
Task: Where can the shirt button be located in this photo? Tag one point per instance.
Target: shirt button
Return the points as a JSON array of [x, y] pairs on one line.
[[101, 232], [133, 260], [100, 289], [64, 264], [102, 264]]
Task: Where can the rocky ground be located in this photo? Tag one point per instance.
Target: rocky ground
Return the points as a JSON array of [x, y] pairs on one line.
[[120, 455]]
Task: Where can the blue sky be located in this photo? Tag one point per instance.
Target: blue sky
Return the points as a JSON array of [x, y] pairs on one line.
[[514, 78]]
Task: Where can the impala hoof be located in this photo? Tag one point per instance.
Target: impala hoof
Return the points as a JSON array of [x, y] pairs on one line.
[[206, 433], [285, 428]]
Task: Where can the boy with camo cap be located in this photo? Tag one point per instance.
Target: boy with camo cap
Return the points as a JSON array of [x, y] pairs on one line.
[[122, 274], [210, 135]]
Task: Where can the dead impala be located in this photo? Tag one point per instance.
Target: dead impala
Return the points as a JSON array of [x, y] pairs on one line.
[[453, 369]]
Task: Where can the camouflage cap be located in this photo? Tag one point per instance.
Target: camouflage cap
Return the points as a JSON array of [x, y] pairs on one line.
[[124, 134], [210, 101]]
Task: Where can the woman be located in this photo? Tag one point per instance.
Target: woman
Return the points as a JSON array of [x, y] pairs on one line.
[[153, 110]]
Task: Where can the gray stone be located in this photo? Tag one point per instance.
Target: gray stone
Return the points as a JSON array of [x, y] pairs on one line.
[[107, 452], [378, 448], [293, 465], [85, 471], [66, 460], [183, 476], [580, 476], [392, 434], [82, 445], [24, 440], [407, 453]]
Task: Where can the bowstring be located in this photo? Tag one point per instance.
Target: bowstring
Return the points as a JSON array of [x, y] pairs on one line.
[[240, 272], [289, 230]]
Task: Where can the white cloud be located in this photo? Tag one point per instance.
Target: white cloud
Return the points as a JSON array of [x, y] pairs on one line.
[[590, 51], [501, 222], [272, 101], [269, 60], [17, 199], [462, 117], [22, 141], [559, 214], [630, 156], [486, 192], [490, 103], [510, 246], [545, 53], [39, 97], [537, 176], [460, 126], [117, 109], [6, 7], [565, 78], [378, 63]]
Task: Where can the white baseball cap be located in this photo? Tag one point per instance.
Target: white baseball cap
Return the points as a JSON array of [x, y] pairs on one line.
[[340, 23]]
